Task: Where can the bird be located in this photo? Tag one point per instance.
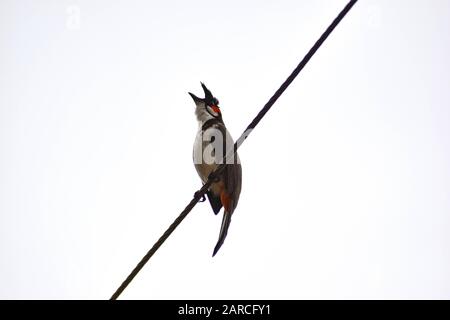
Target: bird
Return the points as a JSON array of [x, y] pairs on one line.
[[211, 144]]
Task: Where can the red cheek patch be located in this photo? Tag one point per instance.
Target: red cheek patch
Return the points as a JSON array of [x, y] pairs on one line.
[[216, 109]]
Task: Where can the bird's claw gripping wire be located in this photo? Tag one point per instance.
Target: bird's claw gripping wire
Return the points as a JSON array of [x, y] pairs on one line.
[[213, 178], [202, 197]]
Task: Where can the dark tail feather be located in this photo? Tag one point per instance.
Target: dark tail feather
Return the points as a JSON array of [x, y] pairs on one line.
[[223, 231]]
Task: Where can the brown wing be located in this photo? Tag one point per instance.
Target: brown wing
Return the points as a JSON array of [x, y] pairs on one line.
[[232, 174]]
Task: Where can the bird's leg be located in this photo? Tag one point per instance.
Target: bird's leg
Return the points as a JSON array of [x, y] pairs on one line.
[[214, 178], [202, 199]]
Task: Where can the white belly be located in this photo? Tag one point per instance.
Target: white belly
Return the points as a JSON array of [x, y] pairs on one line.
[[206, 160]]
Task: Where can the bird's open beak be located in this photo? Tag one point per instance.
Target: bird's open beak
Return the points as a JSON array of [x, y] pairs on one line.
[[194, 97]]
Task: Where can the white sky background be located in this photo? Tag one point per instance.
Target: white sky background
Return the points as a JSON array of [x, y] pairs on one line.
[[345, 182]]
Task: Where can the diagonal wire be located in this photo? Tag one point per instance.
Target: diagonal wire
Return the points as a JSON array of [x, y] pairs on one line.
[[238, 143]]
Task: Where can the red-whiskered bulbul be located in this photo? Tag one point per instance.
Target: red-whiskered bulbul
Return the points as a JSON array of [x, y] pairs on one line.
[[212, 143]]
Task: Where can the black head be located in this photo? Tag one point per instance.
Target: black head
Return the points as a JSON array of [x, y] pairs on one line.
[[211, 103]]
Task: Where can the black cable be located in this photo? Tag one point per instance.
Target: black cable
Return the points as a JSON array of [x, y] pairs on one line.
[[238, 143]]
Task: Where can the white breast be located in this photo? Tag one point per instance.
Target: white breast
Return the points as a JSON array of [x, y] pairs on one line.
[[206, 155], [204, 161]]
